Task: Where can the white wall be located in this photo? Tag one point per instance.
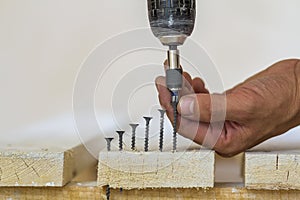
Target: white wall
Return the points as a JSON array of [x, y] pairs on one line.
[[44, 42]]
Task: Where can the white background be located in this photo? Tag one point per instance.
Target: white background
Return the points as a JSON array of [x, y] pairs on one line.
[[44, 42]]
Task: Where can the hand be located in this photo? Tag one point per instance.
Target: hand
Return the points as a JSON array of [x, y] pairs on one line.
[[264, 106]]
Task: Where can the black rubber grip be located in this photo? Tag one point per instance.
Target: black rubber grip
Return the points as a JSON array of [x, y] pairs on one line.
[[174, 78]]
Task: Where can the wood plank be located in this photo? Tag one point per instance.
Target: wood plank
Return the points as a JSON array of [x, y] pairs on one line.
[[89, 191], [272, 170], [40, 167], [140, 170], [216, 193]]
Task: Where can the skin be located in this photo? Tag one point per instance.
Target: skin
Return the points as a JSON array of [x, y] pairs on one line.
[[264, 106]]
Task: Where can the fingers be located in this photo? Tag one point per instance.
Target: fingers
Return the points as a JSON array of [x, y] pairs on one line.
[[187, 80], [186, 85], [208, 135], [192, 86], [203, 133], [189, 85], [192, 130], [199, 86], [209, 107], [163, 92]]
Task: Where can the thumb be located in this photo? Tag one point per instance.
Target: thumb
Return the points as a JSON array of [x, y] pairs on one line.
[[208, 107]]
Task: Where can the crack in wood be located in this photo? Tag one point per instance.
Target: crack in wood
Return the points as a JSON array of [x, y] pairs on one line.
[[24, 162], [17, 176], [33, 167], [35, 171], [282, 174], [277, 158]]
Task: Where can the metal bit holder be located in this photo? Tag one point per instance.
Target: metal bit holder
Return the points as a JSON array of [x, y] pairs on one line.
[[174, 73]]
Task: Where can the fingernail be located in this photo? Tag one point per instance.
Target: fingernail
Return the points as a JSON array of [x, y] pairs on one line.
[[186, 106], [166, 62]]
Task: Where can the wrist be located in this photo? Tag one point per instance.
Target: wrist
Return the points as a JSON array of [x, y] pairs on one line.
[[290, 72], [297, 77]]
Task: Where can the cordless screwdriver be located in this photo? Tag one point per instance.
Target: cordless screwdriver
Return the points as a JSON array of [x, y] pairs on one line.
[[172, 21]]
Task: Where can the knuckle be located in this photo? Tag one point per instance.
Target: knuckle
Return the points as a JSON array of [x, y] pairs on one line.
[[203, 110], [226, 146], [227, 151]]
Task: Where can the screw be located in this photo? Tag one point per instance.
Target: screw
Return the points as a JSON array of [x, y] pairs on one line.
[[108, 143], [107, 192], [133, 126], [161, 131], [120, 139], [148, 119]]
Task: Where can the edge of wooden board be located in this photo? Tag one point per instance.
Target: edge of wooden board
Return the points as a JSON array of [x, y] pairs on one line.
[[278, 170], [40, 167], [140, 170]]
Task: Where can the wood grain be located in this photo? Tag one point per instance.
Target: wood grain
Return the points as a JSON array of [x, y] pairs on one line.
[[272, 170], [39, 167], [139, 170], [89, 191]]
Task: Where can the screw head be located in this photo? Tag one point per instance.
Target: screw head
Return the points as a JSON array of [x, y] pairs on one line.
[[148, 119], [134, 126], [108, 140], [120, 133], [162, 112]]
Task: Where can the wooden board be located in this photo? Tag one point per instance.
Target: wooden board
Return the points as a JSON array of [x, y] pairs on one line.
[[272, 170], [139, 170], [89, 191], [40, 167]]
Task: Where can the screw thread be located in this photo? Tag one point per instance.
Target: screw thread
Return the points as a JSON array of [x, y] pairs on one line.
[[133, 141], [161, 130], [175, 126], [107, 192], [147, 138], [121, 144], [146, 147], [108, 143], [120, 139], [133, 126]]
